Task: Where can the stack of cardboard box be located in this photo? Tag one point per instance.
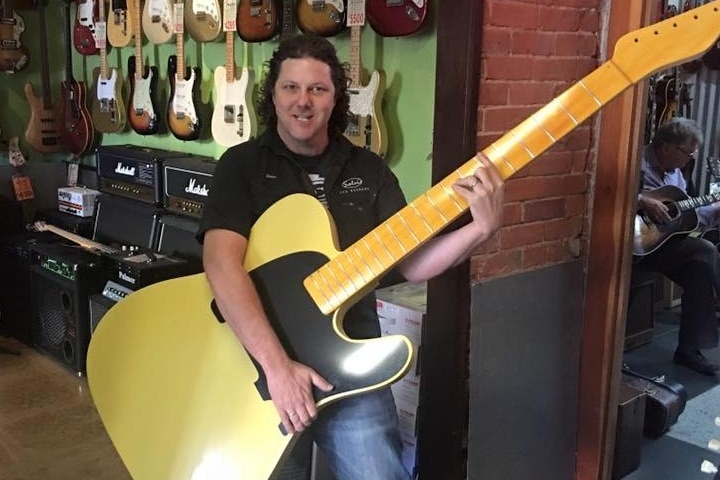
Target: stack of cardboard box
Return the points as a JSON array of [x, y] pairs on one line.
[[401, 309]]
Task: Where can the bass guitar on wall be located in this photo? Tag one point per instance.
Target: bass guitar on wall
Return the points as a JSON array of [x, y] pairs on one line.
[[182, 116], [648, 236], [43, 128]]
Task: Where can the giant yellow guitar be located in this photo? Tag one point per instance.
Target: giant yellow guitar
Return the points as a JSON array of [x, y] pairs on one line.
[[180, 397]]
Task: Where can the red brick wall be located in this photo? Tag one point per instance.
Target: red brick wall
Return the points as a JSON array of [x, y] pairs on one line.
[[533, 50]]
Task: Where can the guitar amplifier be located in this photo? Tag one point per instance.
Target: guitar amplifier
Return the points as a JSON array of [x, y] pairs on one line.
[[125, 222], [144, 267], [187, 184], [132, 171]]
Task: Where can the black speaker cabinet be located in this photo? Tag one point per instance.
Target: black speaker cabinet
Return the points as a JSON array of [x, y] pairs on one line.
[[640, 319], [15, 311], [122, 221], [62, 278], [98, 305], [177, 239]]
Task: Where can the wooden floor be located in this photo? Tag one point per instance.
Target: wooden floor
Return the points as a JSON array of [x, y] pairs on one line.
[[49, 428]]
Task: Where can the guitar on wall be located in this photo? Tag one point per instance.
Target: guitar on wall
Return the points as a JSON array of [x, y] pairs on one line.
[[76, 129], [182, 116], [157, 21], [366, 126], [108, 108], [202, 18], [233, 119], [84, 30], [119, 23], [649, 236], [43, 129], [396, 18], [258, 20], [142, 112], [227, 421], [321, 17], [13, 55]]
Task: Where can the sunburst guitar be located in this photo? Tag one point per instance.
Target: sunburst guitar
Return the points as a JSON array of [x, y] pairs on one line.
[[108, 108], [202, 19], [142, 112], [321, 17], [14, 56], [182, 115], [366, 124], [119, 23], [179, 395], [157, 21], [233, 119]]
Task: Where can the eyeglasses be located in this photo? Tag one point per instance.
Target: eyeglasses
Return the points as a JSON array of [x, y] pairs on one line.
[[690, 155]]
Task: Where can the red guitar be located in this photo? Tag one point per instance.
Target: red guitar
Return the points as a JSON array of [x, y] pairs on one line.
[[396, 18], [84, 30], [76, 130]]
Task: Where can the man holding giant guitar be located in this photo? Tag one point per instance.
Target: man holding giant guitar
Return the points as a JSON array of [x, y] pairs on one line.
[[661, 244], [304, 101]]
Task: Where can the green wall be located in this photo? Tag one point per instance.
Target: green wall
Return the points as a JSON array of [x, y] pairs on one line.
[[408, 63]]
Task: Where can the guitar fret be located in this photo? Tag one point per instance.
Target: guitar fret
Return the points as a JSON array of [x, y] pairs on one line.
[[380, 242], [370, 251], [356, 250], [407, 225], [337, 281], [347, 271], [451, 195], [397, 241]]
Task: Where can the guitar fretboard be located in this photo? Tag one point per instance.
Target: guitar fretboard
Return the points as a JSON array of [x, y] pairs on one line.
[[138, 39]]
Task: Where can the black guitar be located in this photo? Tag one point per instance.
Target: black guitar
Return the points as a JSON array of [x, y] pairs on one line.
[[649, 236]]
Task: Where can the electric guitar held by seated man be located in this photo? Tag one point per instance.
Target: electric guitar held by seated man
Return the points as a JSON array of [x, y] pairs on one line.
[[648, 236], [177, 392]]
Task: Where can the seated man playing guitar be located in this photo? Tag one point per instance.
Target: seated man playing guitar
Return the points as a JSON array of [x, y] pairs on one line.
[[691, 262]]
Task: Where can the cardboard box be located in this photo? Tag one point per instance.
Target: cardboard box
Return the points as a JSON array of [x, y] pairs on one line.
[[78, 201]]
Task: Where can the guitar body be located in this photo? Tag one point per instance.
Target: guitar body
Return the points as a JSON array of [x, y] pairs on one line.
[[43, 129], [396, 18], [119, 23], [142, 113], [648, 236], [233, 119], [258, 20], [84, 29], [13, 55], [157, 23], [321, 17], [366, 127], [76, 129], [182, 116], [108, 108], [163, 346], [202, 19]]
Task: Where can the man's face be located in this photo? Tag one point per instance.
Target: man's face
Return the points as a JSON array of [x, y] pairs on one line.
[[674, 156], [304, 98]]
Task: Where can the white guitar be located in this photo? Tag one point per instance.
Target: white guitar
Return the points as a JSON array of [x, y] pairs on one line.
[[157, 21], [366, 127], [233, 119]]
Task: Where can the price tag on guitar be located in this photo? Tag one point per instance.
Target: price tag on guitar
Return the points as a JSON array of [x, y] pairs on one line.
[[100, 33], [23, 187], [178, 13], [229, 16], [356, 13]]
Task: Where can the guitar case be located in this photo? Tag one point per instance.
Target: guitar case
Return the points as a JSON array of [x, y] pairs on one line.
[[665, 400]]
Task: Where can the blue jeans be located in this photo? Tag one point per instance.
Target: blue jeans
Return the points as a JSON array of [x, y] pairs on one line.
[[359, 436]]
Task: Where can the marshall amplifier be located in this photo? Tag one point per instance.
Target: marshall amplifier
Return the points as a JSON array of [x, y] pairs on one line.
[[132, 171], [125, 222], [187, 184]]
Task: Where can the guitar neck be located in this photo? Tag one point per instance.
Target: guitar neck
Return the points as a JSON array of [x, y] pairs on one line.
[[288, 19], [179, 44], [68, 45], [45, 74], [696, 202], [138, 39], [104, 72], [230, 56], [355, 64], [81, 241]]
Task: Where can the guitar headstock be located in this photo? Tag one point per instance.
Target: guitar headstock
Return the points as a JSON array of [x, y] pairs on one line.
[[681, 38]]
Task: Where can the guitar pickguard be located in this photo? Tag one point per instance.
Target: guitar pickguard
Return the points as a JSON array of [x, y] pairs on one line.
[[320, 4], [106, 86], [182, 102], [142, 102]]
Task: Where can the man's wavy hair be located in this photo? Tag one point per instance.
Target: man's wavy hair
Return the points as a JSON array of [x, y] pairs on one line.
[[306, 46], [677, 131]]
